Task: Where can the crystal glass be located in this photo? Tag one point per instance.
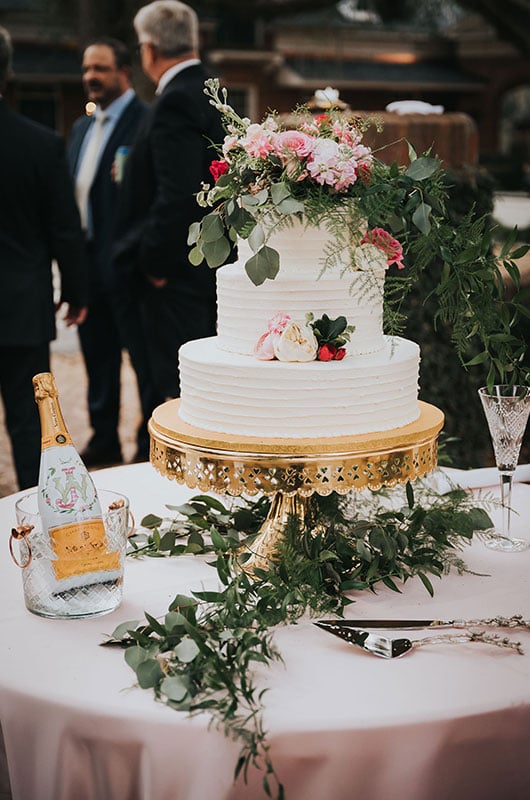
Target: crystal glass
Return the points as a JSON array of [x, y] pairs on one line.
[[506, 409], [35, 555]]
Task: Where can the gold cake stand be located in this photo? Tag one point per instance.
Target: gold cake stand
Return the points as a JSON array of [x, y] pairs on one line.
[[290, 470]]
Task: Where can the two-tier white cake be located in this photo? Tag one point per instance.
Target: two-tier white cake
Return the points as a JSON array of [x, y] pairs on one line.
[[225, 388]]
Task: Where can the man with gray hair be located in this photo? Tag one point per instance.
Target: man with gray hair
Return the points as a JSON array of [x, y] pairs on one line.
[[39, 222], [167, 165]]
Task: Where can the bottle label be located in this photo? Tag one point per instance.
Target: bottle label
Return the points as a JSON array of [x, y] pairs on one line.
[[80, 548], [67, 489]]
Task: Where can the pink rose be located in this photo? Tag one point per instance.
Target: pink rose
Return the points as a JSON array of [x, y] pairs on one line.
[[292, 143], [387, 244], [218, 168]]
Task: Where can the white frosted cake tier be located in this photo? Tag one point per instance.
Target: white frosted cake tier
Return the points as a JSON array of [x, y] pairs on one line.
[[243, 309], [304, 251], [240, 395]]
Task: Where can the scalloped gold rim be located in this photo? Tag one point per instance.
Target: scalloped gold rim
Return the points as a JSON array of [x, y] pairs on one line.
[[207, 461]]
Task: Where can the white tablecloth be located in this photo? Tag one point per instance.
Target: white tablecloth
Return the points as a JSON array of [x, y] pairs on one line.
[[444, 722]]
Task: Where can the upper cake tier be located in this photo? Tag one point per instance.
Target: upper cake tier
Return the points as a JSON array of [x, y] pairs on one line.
[[305, 283]]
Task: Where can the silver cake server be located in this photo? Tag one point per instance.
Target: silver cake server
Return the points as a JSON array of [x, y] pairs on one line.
[[385, 647], [515, 621]]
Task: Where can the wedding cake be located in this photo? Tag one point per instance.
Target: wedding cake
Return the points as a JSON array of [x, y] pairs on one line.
[[300, 351], [227, 387]]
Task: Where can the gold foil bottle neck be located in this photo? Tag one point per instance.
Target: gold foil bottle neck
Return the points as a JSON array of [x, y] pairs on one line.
[[44, 386]]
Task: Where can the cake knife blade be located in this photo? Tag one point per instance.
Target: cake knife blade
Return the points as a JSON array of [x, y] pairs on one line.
[[515, 621]]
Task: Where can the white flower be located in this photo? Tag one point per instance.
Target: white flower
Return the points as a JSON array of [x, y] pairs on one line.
[[368, 257], [296, 343]]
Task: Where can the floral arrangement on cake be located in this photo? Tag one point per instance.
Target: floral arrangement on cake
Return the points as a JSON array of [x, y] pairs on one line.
[[380, 216], [267, 176], [321, 339]]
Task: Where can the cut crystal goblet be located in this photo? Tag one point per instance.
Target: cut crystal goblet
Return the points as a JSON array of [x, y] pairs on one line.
[[506, 408]]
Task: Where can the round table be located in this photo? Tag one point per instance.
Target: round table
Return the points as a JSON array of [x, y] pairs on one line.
[[445, 722]]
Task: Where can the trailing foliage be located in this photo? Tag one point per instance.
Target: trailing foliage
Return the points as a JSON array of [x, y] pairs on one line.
[[200, 656]]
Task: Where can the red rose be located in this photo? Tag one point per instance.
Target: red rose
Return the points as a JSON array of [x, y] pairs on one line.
[[218, 168], [339, 355], [326, 352]]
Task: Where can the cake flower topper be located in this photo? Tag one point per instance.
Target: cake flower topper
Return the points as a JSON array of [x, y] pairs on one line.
[[321, 339], [267, 176]]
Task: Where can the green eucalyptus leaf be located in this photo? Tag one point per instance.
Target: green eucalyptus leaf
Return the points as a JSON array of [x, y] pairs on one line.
[[187, 650], [252, 200], [290, 206], [279, 191], [212, 228], [149, 673], [151, 521], [422, 168], [182, 601], [122, 631], [216, 252], [174, 688], [135, 655], [195, 256], [421, 218], [256, 238], [263, 265], [193, 232], [210, 502], [173, 619]]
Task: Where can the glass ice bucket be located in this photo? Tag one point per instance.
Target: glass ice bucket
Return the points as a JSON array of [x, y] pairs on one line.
[[95, 593]]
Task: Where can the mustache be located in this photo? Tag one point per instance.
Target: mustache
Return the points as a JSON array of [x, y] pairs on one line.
[[94, 84]]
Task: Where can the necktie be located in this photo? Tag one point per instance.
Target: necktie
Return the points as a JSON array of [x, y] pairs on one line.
[[88, 167]]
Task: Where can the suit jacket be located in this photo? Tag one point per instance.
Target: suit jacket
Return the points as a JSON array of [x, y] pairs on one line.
[[165, 169], [39, 222], [104, 191]]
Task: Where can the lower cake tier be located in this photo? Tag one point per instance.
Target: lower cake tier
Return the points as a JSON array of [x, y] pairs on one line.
[[240, 395]]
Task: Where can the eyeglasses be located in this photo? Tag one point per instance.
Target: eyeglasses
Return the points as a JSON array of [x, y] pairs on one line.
[[138, 48]]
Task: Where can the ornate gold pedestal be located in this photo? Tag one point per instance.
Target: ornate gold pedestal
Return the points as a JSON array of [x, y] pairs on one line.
[[291, 470]]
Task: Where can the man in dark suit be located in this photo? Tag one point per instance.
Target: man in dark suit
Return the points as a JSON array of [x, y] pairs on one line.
[[92, 150], [39, 222], [168, 163]]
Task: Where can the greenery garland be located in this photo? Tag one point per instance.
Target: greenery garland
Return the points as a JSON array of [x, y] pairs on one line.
[[412, 202], [200, 656]]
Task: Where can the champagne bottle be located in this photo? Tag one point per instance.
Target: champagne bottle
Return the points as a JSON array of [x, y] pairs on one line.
[[68, 504]]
